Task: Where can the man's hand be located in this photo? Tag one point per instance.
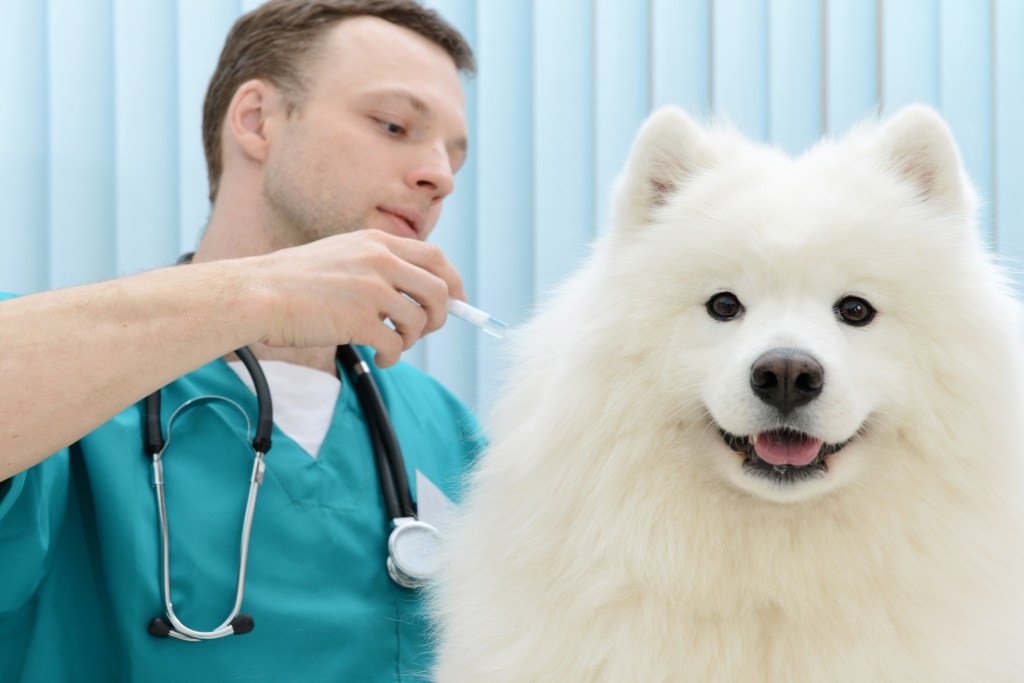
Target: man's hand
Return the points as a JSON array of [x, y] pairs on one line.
[[341, 289]]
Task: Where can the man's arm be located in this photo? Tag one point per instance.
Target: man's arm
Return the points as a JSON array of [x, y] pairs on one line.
[[71, 359]]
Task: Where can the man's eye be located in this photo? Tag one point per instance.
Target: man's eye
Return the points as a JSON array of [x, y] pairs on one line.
[[391, 128]]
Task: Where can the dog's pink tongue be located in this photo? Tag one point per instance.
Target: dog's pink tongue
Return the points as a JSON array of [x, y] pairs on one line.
[[789, 449]]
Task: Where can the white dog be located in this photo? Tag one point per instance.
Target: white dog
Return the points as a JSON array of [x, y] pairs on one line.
[[771, 431]]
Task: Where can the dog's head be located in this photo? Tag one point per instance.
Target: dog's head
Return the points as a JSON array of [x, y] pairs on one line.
[[802, 309]]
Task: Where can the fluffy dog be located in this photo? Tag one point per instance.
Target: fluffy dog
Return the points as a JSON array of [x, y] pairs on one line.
[[770, 431]]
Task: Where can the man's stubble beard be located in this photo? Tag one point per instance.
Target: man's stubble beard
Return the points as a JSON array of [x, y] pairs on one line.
[[296, 219]]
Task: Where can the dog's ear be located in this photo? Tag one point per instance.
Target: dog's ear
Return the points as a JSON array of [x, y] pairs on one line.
[[670, 148], [917, 145]]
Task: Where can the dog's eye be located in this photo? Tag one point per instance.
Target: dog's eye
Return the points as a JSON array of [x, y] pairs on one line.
[[853, 310], [724, 306]]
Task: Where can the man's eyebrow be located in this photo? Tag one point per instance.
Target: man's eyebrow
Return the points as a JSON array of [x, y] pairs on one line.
[[418, 105]]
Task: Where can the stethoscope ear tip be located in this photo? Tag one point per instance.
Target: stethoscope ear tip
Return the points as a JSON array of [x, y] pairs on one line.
[[159, 627], [243, 623]]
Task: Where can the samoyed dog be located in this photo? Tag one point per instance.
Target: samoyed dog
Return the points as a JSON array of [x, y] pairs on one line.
[[770, 431]]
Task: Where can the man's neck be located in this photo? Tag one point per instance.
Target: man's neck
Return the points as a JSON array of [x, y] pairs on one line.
[[236, 229], [222, 240]]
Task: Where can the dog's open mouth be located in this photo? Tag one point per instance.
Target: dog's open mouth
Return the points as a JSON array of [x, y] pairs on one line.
[[784, 456]]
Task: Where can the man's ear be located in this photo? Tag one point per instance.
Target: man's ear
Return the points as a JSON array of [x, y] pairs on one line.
[[254, 102]]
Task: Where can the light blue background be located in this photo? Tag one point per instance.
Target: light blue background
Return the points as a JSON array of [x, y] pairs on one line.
[[103, 172]]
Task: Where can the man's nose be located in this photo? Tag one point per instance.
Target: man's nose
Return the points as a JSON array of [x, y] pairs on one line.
[[434, 174]]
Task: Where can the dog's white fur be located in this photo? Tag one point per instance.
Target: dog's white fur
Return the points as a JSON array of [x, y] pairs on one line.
[[611, 535]]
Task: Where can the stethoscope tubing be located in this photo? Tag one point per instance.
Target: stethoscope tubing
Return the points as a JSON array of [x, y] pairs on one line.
[[391, 464], [154, 445], [405, 567], [154, 440], [229, 626]]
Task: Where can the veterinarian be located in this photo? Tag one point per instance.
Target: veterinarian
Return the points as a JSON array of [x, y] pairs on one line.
[[134, 545]]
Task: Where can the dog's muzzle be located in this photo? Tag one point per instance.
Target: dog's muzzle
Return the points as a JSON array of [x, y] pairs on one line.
[[784, 379]]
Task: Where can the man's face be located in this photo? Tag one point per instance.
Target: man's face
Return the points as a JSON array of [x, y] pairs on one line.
[[375, 141]]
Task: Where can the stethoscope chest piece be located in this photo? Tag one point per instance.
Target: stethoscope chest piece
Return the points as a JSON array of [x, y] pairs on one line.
[[413, 552]]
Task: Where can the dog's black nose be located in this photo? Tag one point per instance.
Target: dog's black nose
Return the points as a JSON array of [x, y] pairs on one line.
[[786, 378]]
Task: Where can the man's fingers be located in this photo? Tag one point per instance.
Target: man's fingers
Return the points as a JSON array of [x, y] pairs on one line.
[[387, 343], [429, 292], [409, 319], [343, 287], [430, 258]]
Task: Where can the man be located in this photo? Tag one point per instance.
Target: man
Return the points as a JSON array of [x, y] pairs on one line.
[[333, 130]]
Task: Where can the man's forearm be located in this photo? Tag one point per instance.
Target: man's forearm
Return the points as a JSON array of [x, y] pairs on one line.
[[73, 358]]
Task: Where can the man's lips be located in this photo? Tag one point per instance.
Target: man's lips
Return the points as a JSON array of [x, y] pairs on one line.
[[406, 223]]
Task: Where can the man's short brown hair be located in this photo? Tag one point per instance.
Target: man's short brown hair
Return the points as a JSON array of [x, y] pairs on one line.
[[273, 42]]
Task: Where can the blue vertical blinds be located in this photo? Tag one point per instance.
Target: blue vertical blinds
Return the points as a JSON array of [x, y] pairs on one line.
[[103, 171]]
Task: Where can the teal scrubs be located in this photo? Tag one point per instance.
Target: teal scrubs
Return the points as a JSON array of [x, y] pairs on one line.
[[80, 557]]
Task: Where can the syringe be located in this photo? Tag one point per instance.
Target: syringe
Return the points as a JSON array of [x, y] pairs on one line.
[[474, 316]]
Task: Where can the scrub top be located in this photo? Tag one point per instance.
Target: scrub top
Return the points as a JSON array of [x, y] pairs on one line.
[[80, 559]]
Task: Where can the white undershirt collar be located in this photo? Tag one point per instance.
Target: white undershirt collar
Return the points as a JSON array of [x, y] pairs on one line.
[[304, 399]]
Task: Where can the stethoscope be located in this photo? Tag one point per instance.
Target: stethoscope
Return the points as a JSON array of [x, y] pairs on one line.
[[412, 544]]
